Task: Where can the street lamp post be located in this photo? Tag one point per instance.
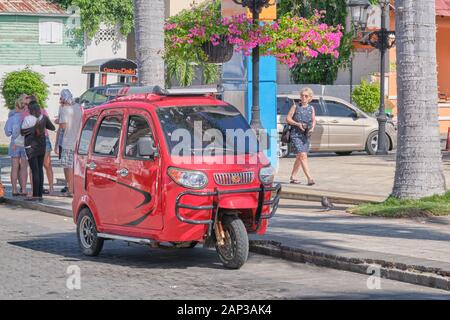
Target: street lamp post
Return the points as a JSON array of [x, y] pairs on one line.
[[255, 6], [382, 40]]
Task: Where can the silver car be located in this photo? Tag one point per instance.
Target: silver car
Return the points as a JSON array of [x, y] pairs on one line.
[[341, 127]]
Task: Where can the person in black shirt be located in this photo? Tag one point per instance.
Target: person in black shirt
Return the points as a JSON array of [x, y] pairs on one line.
[[33, 130]]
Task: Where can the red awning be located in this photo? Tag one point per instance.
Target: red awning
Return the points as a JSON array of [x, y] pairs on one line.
[[443, 8]]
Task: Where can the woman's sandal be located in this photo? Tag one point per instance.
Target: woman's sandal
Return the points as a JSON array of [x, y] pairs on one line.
[[293, 181], [311, 183]]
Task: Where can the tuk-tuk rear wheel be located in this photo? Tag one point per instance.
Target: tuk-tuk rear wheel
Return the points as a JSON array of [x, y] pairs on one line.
[[90, 244], [234, 253]]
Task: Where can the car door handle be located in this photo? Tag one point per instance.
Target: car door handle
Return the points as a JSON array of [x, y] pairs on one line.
[[91, 166], [334, 121], [122, 172], [321, 121]]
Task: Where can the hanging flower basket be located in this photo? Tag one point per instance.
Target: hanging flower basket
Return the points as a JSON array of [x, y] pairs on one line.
[[220, 53]]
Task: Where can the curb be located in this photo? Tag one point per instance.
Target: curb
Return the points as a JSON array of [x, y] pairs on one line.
[[335, 197], [39, 206], [418, 275]]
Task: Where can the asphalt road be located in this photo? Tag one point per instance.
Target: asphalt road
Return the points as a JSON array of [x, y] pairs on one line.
[[37, 250]]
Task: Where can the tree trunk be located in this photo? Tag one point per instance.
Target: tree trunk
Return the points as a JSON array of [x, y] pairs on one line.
[[149, 29], [419, 170]]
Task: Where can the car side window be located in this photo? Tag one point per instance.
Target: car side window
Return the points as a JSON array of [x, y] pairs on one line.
[[100, 98], [86, 135], [138, 127], [317, 107], [283, 105], [88, 96], [108, 136], [336, 109]]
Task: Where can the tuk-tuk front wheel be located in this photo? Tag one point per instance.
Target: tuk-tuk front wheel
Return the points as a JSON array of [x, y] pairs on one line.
[[89, 242], [234, 252]]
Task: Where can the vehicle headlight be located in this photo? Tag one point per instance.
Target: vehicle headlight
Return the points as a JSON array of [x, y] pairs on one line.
[[188, 178], [266, 175]]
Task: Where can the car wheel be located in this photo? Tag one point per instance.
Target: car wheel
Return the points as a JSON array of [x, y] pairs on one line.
[[89, 242], [372, 143], [344, 153], [234, 252]]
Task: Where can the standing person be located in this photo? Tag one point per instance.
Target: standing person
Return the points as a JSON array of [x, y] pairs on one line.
[[33, 129], [302, 118], [47, 158], [16, 150], [59, 137], [70, 121]]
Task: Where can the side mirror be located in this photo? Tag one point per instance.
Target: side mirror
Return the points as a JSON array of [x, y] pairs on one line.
[[146, 147]]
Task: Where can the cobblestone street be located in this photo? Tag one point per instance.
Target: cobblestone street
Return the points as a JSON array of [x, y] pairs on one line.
[[37, 248]]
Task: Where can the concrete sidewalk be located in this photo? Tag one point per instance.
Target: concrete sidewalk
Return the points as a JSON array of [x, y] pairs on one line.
[[357, 177], [345, 241]]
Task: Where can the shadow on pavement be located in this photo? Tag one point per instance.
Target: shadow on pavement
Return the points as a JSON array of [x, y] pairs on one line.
[[121, 254]]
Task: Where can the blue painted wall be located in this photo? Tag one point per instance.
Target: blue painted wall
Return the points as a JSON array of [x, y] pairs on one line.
[[268, 101]]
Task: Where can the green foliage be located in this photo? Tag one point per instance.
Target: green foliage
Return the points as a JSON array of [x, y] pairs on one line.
[[110, 12], [182, 61], [3, 149], [394, 208], [324, 69], [25, 81], [367, 96], [287, 39]]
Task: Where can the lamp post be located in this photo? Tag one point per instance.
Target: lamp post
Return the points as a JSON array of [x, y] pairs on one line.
[[255, 7], [382, 40]]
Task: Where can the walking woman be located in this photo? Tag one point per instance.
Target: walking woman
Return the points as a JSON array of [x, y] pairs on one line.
[[302, 119], [16, 150], [33, 129]]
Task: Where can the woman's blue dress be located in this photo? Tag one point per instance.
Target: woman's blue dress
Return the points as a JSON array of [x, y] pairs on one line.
[[300, 142]]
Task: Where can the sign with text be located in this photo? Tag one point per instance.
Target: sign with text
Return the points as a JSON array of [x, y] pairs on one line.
[[230, 8]]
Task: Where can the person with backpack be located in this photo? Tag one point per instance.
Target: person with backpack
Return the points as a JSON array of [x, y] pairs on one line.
[[33, 130]]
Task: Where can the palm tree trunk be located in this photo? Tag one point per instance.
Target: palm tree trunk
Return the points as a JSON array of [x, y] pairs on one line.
[[419, 161], [149, 29]]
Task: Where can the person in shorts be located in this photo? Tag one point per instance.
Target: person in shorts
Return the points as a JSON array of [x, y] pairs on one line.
[[16, 150], [70, 121]]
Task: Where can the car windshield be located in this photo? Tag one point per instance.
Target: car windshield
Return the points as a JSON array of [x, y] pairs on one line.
[[215, 130]]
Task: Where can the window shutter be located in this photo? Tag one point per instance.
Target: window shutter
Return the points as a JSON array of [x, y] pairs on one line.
[[45, 32], [57, 32], [51, 32]]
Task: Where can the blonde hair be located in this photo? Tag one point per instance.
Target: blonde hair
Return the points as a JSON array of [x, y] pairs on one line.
[[19, 101], [308, 91]]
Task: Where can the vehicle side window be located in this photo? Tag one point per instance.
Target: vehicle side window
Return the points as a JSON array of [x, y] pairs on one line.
[[137, 128], [88, 96], [86, 135], [108, 136], [336, 109], [283, 105], [100, 98], [317, 107]]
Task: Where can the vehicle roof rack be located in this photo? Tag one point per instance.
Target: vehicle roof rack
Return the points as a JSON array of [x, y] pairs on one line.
[[190, 91]]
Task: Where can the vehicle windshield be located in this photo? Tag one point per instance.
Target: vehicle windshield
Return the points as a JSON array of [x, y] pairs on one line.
[[213, 130]]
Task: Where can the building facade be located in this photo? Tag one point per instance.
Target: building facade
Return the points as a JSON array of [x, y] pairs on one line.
[[39, 34]]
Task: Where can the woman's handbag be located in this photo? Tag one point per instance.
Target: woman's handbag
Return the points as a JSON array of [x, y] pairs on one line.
[[286, 135]]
